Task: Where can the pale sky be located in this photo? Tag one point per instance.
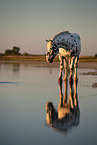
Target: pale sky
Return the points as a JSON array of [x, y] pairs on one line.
[[27, 23]]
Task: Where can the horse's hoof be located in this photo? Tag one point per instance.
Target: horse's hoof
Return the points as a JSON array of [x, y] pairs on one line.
[[65, 79], [71, 81], [59, 80], [76, 79]]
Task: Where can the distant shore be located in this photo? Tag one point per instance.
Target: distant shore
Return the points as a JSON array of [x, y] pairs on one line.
[[87, 62]]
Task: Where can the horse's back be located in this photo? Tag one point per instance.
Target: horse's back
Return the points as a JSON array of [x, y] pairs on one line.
[[60, 35], [68, 41], [66, 35]]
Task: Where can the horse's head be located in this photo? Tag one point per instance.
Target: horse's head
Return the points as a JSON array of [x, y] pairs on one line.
[[49, 109], [51, 113], [52, 51]]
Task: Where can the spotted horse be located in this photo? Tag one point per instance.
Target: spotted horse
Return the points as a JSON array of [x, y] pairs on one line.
[[68, 46]]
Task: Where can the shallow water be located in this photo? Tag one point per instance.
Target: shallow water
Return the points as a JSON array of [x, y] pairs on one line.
[[24, 91]]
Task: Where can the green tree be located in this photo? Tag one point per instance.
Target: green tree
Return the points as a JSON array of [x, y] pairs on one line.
[[96, 55], [1, 54], [8, 51], [16, 50]]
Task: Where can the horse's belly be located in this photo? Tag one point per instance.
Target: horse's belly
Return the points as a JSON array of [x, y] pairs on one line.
[[64, 53], [62, 112]]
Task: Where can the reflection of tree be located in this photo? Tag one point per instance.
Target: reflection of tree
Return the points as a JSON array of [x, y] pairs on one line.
[[16, 67], [50, 71], [68, 112]]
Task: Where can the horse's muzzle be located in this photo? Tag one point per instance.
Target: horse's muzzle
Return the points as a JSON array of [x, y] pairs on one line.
[[49, 60]]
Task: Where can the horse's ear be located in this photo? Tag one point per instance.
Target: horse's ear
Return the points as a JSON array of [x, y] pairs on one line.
[[51, 40], [47, 40]]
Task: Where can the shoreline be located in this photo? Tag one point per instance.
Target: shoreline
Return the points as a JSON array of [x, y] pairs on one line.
[[83, 65]]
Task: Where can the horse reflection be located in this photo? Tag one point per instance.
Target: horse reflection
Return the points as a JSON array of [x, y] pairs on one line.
[[68, 112]]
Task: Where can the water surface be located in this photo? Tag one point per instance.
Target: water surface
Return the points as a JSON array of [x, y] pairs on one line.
[[24, 91]]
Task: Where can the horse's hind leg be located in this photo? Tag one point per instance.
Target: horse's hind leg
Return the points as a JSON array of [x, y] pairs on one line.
[[72, 67], [75, 67], [65, 98], [71, 99], [76, 103], [65, 69], [61, 95]]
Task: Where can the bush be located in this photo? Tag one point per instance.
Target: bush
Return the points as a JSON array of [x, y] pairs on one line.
[[25, 54], [1, 54], [95, 55]]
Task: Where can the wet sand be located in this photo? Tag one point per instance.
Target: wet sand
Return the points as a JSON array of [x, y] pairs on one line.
[[88, 65], [84, 65]]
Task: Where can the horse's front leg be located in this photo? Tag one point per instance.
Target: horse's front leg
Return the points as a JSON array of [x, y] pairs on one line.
[[61, 68]]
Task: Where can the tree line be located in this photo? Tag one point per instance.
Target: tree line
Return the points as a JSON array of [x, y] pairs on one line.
[[14, 51]]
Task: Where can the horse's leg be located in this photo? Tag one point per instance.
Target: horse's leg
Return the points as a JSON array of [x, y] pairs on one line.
[[71, 98], [61, 68], [75, 67], [71, 67], [60, 95], [76, 104], [66, 93], [65, 69]]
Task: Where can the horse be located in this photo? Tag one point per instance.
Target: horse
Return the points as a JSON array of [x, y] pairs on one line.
[[68, 46]]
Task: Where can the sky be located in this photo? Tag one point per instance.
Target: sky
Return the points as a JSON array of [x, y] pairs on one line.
[[27, 23]]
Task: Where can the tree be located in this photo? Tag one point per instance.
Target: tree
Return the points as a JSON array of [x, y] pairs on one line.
[[95, 55], [8, 51], [16, 50], [1, 54]]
